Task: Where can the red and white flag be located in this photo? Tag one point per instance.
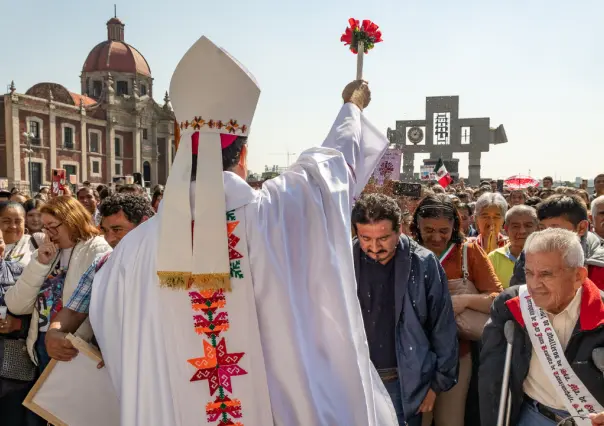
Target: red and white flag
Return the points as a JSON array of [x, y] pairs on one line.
[[442, 175]]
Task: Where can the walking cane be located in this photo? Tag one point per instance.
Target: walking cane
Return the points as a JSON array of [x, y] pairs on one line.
[[505, 399]]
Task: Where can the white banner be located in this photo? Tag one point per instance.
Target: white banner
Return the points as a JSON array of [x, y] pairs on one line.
[[427, 173], [389, 167], [577, 398]]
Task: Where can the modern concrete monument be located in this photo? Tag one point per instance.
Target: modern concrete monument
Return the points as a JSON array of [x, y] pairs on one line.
[[441, 134]]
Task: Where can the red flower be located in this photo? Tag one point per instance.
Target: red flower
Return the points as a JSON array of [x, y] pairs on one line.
[[368, 33]]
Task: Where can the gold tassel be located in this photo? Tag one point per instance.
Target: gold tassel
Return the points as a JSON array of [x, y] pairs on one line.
[[221, 281], [175, 280]]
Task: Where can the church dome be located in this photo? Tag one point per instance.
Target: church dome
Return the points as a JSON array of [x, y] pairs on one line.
[[114, 54]]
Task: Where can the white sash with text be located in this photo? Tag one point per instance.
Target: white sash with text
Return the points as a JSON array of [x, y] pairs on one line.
[[577, 398]]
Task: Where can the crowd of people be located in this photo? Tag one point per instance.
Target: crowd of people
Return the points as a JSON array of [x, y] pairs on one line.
[[449, 252], [50, 248], [451, 260]]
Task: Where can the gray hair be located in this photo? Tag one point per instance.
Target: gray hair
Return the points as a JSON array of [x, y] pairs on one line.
[[596, 203], [491, 199], [565, 242], [521, 211]]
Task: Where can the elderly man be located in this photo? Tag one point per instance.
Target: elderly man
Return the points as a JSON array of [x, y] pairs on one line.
[[520, 222], [597, 217], [489, 213], [558, 319]]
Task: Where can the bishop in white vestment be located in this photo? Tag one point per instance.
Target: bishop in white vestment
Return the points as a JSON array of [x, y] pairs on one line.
[[253, 318]]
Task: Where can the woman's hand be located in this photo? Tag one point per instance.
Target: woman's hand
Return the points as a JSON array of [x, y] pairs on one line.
[[47, 251], [10, 324], [460, 303]]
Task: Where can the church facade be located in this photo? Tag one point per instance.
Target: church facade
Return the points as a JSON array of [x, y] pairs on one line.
[[111, 129]]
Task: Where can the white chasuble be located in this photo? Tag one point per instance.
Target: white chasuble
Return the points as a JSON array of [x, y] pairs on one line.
[[287, 345]]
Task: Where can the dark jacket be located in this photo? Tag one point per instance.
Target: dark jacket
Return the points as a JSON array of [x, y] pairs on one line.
[[587, 335], [426, 333]]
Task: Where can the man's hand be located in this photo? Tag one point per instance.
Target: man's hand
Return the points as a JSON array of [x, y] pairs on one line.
[[59, 347], [10, 324], [427, 404], [460, 303], [597, 419], [47, 251], [358, 93]]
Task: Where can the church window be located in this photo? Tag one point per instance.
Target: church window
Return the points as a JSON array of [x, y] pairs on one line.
[[122, 88], [143, 89], [97, 87], [118, 147]]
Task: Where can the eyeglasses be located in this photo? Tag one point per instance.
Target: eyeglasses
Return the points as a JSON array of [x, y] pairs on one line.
[[52, 228]]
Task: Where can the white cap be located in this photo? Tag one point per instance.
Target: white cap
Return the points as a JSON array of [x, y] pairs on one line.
[[214, 99]]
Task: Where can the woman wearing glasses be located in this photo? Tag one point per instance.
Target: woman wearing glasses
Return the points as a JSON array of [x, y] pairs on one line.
[[71, 244]]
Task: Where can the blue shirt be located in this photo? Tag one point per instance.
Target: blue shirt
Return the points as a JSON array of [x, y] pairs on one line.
[[80, 299]]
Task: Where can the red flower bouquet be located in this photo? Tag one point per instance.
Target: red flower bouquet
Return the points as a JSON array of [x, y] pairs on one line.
[[368, 33]]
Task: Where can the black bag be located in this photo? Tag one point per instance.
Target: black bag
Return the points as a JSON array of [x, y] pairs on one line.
[[15, 363]]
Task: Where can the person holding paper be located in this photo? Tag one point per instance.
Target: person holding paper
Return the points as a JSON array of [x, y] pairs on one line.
[[559, 325], [243, 308]]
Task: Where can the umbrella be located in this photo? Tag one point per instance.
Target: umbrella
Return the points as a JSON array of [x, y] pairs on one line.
[[520, 182]]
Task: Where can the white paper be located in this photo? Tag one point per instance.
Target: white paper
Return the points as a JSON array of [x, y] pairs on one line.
[[79, 394]]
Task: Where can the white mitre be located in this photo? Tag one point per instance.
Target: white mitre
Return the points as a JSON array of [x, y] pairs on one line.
[[214, 99]]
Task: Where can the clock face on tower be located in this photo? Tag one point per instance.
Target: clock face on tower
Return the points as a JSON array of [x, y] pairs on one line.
[[415, 135]]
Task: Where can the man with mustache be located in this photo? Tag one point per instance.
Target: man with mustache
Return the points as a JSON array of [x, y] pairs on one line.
[[399, 279]]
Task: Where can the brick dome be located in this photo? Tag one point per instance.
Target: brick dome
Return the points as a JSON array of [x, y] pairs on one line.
[[114, 54]]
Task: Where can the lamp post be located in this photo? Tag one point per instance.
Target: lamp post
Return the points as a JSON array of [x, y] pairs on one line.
[[28, 137]]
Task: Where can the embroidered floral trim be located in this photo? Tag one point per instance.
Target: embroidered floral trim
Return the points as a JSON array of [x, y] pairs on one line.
[[218, 365], [230, 126]]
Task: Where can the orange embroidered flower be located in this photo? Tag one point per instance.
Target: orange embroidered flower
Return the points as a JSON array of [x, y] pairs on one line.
[[217, 367]]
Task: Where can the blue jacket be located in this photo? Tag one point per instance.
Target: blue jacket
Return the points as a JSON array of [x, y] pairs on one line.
[[426, 333]]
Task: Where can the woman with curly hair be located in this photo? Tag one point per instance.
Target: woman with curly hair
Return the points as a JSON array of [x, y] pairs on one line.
[[437, 226], [71, 244]]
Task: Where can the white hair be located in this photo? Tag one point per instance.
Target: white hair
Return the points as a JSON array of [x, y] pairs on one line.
[[491, 199], [521, 210], [596, 203], [551, 240]]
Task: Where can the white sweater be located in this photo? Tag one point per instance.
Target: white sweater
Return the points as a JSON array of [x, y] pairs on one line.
[[21, 298]]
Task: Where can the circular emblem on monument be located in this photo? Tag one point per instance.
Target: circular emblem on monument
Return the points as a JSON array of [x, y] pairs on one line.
[[415, 135]]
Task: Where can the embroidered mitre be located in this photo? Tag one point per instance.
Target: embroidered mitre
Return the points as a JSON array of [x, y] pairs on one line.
[[214, 99]]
